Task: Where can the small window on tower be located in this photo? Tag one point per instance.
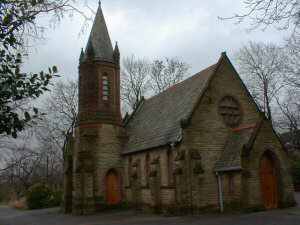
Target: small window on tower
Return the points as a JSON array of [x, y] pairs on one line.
[[105, 88]]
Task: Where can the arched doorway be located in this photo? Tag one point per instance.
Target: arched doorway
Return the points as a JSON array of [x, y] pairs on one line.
[[113, 191], [269, 181]]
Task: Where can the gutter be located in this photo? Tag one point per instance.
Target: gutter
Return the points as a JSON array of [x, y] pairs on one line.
[[227, 169], [220, 190]]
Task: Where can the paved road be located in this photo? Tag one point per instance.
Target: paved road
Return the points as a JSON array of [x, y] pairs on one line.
[[53, 217]]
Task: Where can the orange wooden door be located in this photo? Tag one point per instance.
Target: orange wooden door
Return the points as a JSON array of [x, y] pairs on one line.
[[268, 180], [113, 195]]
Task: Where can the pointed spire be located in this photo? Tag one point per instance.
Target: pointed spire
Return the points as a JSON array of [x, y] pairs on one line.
[[99, 41], [117, 54]]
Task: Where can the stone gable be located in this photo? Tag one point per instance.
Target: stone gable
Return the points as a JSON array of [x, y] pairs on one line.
[[200, 145]]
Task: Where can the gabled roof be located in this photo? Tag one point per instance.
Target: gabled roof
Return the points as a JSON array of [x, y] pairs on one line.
[[158, 120], [231, 156], [99, 44]]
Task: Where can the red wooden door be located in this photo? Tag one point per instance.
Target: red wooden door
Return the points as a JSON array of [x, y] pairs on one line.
[[113, 195], [268, 180]]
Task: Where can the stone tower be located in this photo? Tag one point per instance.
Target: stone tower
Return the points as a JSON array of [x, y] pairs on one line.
[[98, 133]]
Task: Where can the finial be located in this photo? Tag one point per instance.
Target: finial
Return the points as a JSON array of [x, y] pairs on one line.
[[116, 54], [99, 2]]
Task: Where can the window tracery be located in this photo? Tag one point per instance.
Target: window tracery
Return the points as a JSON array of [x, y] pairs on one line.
[[230, 111]]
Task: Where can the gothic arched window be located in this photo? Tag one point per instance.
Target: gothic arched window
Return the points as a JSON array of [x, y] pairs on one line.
[[105, 87]]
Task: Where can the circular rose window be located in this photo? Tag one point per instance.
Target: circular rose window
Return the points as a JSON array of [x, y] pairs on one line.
[[230, 110]]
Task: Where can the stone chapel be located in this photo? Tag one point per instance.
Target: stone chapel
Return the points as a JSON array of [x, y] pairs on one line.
[[202, 144]]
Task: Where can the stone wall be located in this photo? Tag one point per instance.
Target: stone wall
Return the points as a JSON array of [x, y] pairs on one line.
[[98, 135], [192, 186], [207, 133], [149, 187], [98, 149], [180, 178], [92, 108], [68, 175], [266, 141]]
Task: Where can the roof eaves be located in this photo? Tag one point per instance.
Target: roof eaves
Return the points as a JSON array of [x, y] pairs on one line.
[[171, 143], [230, 168], [143, 149]]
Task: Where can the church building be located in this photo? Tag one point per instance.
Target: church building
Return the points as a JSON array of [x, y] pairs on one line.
[[202, 144]]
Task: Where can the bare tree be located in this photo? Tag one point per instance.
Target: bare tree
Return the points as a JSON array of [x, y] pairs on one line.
[[19, 22], [282, 13], [60, 110], [134, 81], [292, 74], [143, 78], [165, 73], [262, 67], [37, 156], [27, 161], [289, 106], [23, 163], [24, 15]]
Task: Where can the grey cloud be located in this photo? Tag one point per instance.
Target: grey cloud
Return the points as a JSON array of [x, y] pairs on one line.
[[189, 30]]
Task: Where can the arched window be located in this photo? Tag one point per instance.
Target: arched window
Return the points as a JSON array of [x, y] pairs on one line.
[[105, 87]]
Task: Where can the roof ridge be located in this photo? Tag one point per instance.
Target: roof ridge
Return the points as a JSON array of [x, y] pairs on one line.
[[158, 121], [181, 82]]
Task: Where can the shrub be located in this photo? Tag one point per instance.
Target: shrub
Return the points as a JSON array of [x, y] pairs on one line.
[[38, 196], [55, 199]]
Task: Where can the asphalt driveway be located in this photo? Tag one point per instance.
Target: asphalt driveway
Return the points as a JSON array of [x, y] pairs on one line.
[[54, 217]]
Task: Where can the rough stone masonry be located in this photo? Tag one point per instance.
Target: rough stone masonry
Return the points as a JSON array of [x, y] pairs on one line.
[[202, 144]]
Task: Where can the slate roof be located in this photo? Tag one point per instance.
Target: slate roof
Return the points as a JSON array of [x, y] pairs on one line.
[[157, 121], [99, 41], [231, 156]]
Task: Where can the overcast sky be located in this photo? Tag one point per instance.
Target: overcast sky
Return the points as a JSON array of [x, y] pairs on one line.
[[189, 30]]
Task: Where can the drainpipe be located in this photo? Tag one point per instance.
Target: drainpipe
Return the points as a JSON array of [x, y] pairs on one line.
[[220, 189]]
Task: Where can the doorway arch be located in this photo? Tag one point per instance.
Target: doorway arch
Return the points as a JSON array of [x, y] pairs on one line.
[[113, 190], [269, 180]]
